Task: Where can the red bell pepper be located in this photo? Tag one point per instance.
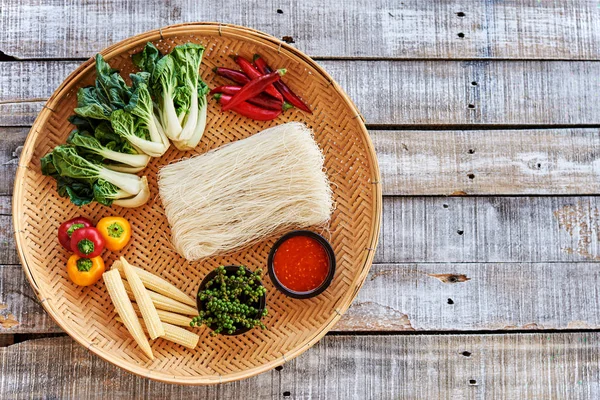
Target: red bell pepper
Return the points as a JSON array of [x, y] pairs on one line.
[[66, 229], [87, 242]]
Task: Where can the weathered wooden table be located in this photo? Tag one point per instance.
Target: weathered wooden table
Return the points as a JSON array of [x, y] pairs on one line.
[[485, 118]]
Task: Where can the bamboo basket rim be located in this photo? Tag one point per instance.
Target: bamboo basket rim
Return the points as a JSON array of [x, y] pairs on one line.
[[222, 29]]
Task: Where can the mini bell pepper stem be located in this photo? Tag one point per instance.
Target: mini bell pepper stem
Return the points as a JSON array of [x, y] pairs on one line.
[[116, 232], [87, 242], [85, 271]]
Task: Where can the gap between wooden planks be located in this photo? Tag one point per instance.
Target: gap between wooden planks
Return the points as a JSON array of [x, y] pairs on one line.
[[407, 93], [437, 29], [339, 367]]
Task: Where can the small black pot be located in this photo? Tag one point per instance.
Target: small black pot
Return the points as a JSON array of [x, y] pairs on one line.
[[318, 290], [232, 269]]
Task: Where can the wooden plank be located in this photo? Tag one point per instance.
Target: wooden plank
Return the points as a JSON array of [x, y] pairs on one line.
[[476, 296], [357, 28], [406, 93], [540, 366], [417, 297], [8, 251], [20, 310], [495, 162], [489, 229], [11, 145]]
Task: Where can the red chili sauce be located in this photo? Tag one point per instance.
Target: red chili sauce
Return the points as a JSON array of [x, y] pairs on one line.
[[301, 264]]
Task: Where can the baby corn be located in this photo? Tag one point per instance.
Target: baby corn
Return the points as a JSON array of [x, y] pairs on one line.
[[169, 317], [118, 295], [165, 303], [180, 336], [159, 285], [142, 297]]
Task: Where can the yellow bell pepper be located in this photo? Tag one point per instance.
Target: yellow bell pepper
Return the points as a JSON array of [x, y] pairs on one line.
[[116, 232], [85, 271]]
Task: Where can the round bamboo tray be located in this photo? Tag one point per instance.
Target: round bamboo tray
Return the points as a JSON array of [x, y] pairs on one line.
[[86, 313]]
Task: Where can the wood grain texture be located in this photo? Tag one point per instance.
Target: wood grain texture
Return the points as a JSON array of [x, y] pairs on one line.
[[407, 93], [417, 297], [539, 366], [416, 163], [358, 28], [494, 162], [489, 229]]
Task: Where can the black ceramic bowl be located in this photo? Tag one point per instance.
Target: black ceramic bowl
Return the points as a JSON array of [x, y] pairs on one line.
[[230, 270], [319, 289]]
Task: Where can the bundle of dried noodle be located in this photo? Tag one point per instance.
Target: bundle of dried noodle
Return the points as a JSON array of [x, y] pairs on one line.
[[246, 190]]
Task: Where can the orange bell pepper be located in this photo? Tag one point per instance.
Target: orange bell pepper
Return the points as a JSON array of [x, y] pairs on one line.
[[116, 232], [85, 271]]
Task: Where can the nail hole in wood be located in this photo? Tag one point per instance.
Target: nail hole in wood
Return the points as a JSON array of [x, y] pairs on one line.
[[471, 151], [460, 232], [279, 368], [460, 35], [471, 176], [450, 301], [466, 354], [539, 165], [279, 11], [474, 83], [445, 205], [460, 14], [286, 394], [472, 382], [471, 106]]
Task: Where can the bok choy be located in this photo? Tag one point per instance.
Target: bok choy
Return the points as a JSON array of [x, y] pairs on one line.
[[120, 127], [179, 91]]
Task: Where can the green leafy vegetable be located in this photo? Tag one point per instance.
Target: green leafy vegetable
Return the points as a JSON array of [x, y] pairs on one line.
[[68, 163], [132, 129], [179, 91], [92, 145], [79, 192]]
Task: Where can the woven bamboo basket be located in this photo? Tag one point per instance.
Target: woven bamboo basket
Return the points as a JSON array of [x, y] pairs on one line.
[[86, 313]]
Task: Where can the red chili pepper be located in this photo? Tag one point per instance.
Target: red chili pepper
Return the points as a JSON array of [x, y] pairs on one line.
[[87, 242], [281, 86], [253, 88], [252, 73], [66, 229], [248, 110], [236, 76], [260, 100]]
